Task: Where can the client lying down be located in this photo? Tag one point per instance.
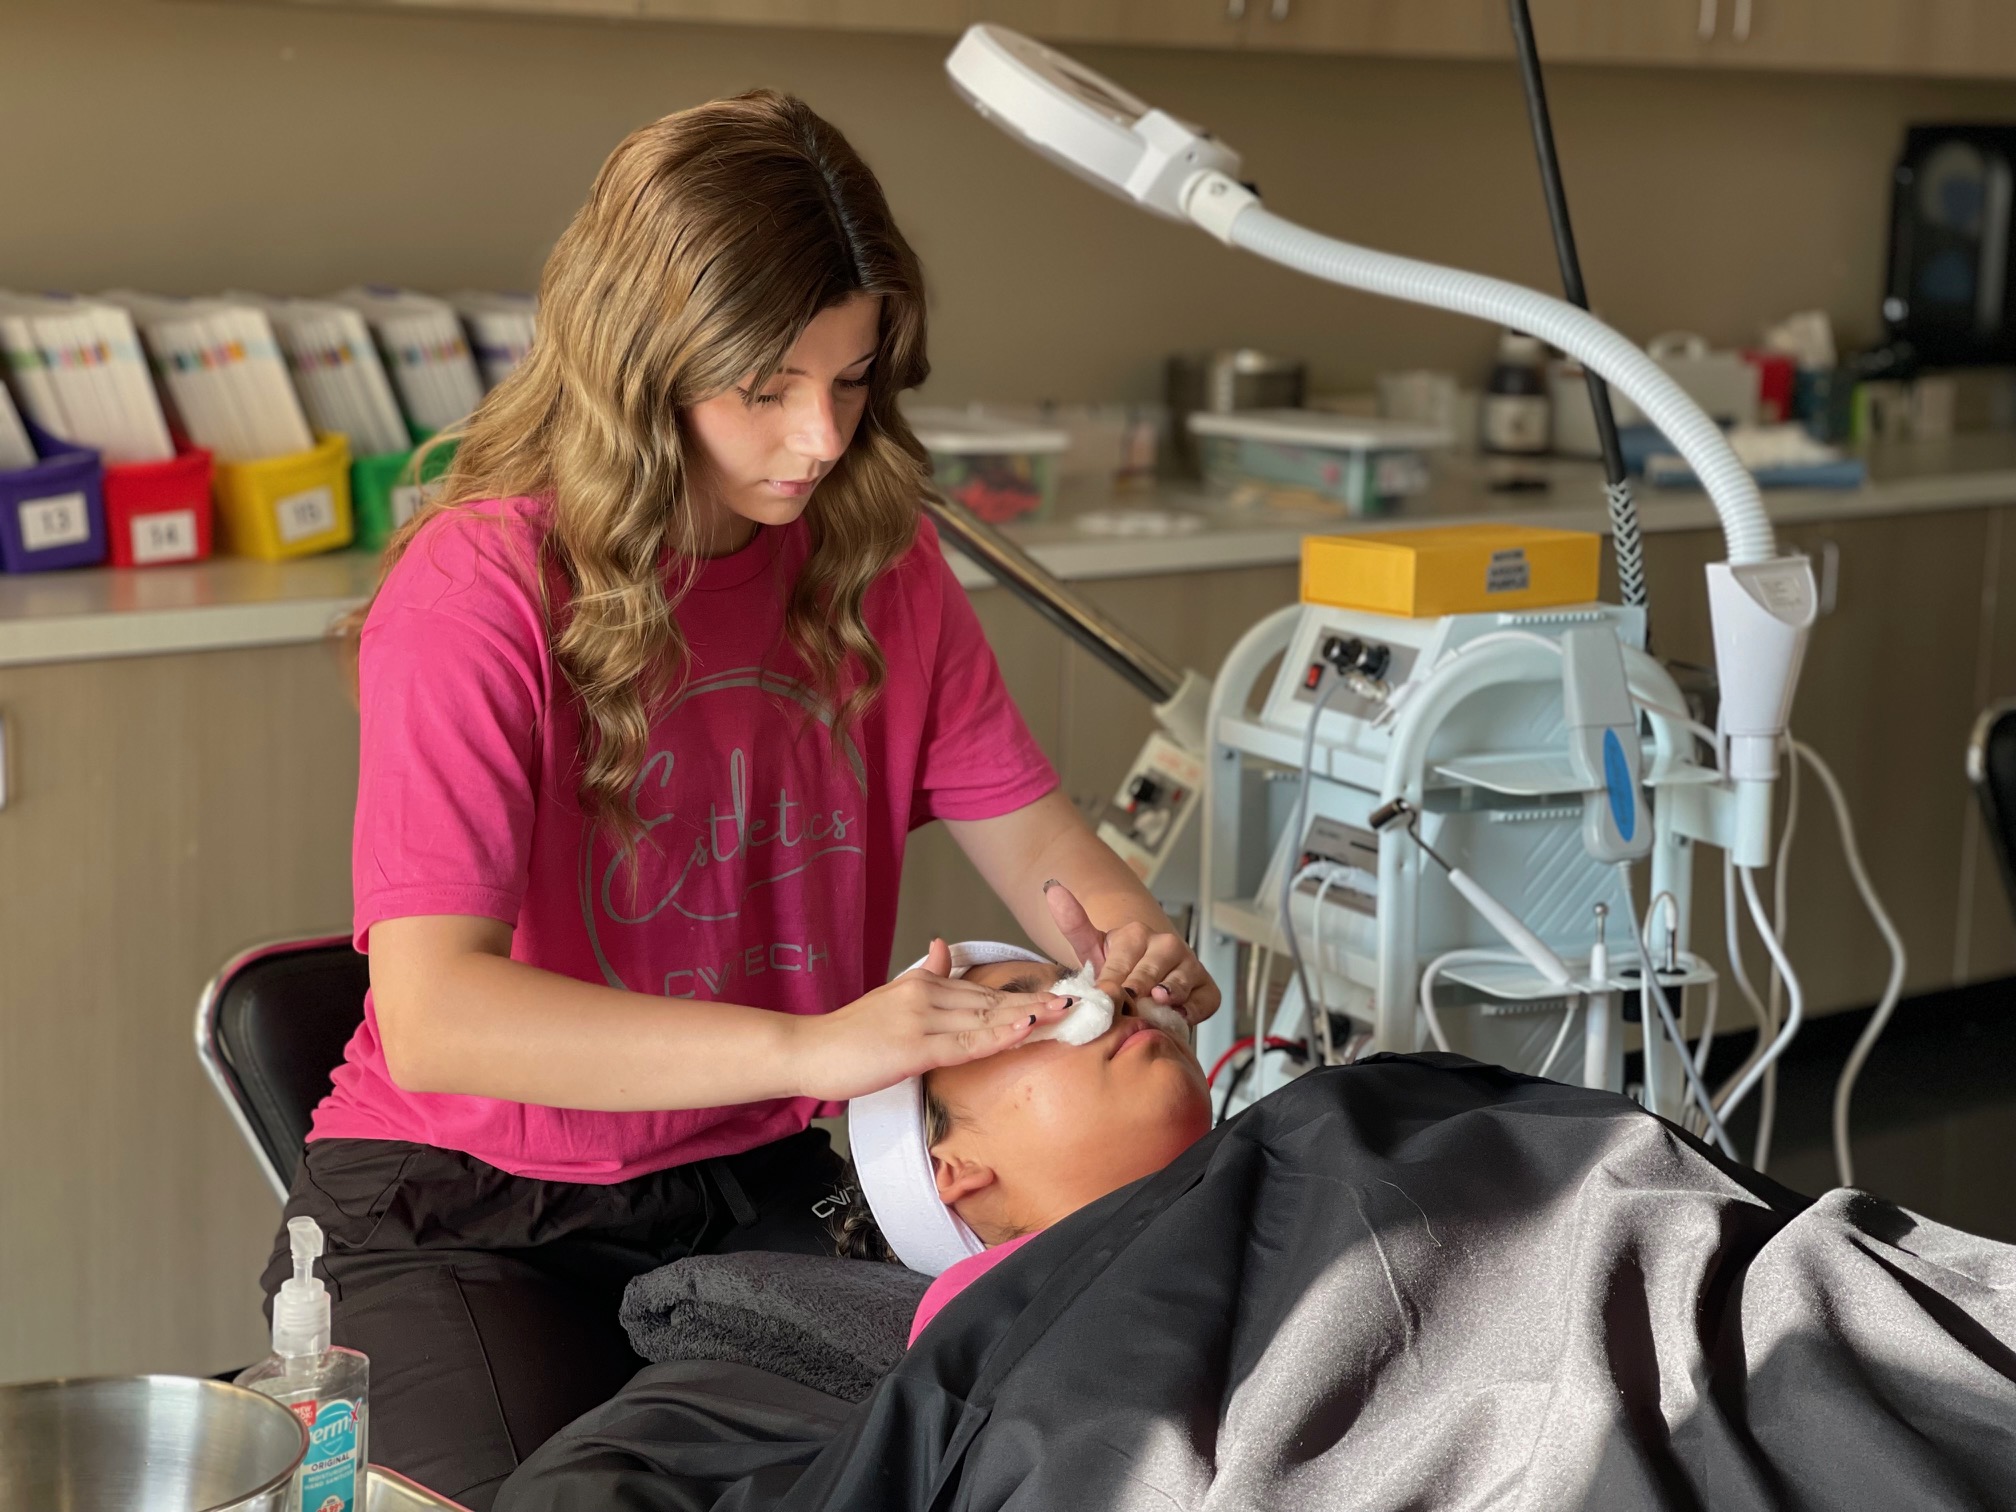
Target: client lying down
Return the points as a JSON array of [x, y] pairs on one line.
[[1414, 1281], [760, 1356], [961, 1167]]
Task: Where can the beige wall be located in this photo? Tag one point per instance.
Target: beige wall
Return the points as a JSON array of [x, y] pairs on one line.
[[296, 149]]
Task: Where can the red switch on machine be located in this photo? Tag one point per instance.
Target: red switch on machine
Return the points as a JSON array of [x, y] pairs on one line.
[[1313, 678]]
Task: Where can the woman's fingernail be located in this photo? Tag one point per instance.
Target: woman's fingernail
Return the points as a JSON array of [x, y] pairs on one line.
[[1052, 882], [1130, 993], [1032, 1018]]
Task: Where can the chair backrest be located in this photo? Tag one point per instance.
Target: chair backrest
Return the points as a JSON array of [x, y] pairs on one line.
[[270, 1028], [1991, 766]]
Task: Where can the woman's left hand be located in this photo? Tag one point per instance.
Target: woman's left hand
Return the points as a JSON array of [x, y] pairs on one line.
[[1134, 961]]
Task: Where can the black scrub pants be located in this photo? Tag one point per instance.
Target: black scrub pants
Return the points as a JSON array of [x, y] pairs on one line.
[[487, 1302]]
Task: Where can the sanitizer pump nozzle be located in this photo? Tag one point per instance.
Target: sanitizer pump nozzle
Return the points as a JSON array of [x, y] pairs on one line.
[[327, 1387], [301, 1309]]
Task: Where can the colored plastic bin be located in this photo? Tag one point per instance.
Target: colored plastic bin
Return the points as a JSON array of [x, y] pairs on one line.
[[280, 507], [159, 512], [386, 493], [52, 514]]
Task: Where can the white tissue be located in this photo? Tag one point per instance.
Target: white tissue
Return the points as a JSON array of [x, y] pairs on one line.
[[1090, 1016]]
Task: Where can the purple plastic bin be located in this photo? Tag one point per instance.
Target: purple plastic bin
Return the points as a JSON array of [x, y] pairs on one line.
[[52, 514]]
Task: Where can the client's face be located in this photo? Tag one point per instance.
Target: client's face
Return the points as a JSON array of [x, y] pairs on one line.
[[1039, 1131]]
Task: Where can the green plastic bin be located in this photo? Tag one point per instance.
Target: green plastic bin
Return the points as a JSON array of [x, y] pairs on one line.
[[385, 493]]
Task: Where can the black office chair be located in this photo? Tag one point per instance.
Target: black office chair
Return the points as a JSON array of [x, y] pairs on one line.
[[1991, 767], [270, 1028]]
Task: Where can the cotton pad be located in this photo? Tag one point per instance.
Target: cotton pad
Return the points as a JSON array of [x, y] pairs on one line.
[[1169, 1020], [1090, 1016]]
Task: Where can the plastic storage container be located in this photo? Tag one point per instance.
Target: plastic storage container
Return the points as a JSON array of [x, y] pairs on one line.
[[999, 469], [52, 514], [159, 512], [1362, 464], [385, 494], [291, 506]]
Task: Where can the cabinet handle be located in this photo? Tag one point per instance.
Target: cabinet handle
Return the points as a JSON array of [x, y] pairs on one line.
[[1705, 27], [3, 762], [1235, 10], [1279, 10], [1830, 577], [1740, 30]]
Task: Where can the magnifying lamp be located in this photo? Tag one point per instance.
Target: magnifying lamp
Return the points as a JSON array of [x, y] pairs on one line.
[[1762, 603]]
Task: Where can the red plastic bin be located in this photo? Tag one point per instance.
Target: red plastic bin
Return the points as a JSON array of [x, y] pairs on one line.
[[159, 512]]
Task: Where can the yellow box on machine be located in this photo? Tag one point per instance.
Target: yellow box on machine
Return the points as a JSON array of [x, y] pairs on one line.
[[1451, 569]]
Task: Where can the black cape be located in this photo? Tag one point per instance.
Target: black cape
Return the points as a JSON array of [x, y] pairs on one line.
[[1421, 1282]]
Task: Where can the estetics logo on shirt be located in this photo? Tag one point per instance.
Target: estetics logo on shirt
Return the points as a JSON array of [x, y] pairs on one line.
[[749, 856]]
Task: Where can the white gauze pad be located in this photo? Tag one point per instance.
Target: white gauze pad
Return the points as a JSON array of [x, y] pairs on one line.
[[1089, 1017]]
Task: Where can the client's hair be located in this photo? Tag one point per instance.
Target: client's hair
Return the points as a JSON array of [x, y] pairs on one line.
[[856, 1235]]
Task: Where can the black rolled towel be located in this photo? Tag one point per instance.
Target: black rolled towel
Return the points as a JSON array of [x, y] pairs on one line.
[[836, 1326]]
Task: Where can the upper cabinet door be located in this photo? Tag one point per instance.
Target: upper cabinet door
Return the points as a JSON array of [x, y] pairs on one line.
[[1953, 38], [1397, 28], [928, 16], [1164, 23]]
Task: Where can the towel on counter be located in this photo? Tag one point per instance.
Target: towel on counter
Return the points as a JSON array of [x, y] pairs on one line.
[[836, 1326]]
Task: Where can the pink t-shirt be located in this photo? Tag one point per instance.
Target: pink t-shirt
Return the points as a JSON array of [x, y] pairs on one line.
[[771, 856], [959, 1275]]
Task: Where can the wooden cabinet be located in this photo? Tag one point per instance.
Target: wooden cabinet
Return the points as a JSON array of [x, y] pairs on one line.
[[1940, 38], [1396, 28], [927, 16], [161, 812], [1954, 38], [1153, 23]]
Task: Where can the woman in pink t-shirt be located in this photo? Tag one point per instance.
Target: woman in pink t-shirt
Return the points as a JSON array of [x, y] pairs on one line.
[[651, 696]]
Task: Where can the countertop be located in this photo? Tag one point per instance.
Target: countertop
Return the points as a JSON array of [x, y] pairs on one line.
[[228, 602]]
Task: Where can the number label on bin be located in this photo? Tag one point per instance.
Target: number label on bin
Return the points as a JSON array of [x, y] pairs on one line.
[[166, 537], [59, 521], [405, 500], [305, 514]]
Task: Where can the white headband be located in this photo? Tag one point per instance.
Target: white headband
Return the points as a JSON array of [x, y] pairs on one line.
[[885, 1134]]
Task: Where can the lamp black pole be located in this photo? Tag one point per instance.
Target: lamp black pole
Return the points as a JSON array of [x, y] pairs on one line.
[[1623, 509]]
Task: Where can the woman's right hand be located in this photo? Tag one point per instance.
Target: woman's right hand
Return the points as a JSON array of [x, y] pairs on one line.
[[924, 1019]]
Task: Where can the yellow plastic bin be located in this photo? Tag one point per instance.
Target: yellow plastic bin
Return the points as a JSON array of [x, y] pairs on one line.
[[291, 506]]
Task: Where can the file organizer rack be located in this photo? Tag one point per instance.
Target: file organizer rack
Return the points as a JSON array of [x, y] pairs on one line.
[[159, 512], [280, 507], [52, 514]]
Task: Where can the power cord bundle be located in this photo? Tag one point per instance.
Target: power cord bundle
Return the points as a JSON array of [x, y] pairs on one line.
[[1708, 1113]]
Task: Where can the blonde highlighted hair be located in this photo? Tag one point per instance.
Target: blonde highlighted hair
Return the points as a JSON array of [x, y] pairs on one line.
[[710, 240]]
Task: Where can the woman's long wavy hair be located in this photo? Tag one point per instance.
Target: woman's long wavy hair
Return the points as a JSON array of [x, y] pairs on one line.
[[709, 242]]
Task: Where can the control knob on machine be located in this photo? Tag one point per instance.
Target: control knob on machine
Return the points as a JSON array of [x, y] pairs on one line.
[[1354, 655]]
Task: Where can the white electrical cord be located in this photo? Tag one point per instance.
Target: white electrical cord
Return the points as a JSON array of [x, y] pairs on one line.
[[1295, 840], [1781, 926], [1704, 1044], [1318, 1007], [1844, 1090], [1795, 1013], [1560, 1037], [1467, 953], [1767, 1015], [1651, 987], [1560, 324]]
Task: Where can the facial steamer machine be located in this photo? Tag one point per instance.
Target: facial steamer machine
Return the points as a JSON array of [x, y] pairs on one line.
[[1438, 819]]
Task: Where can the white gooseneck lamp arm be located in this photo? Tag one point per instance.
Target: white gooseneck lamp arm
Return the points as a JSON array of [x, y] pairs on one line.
[[1762, 603]]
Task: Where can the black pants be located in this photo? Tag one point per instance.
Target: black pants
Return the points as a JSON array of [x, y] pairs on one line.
[[487, 1302]]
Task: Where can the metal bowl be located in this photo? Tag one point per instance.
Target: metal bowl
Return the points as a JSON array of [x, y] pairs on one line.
[[145, 1444]]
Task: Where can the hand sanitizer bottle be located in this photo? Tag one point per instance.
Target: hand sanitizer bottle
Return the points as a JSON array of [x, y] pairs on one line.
[[323, 1385]]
